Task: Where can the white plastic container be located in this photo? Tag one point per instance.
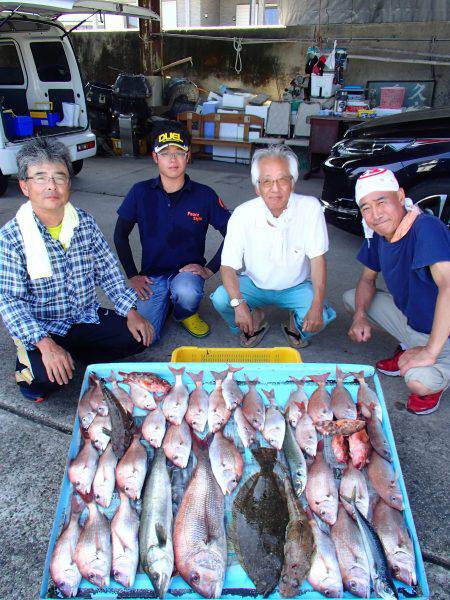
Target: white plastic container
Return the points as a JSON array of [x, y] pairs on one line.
[[322, 85]]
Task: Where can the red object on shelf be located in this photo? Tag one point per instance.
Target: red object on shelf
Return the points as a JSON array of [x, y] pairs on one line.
[[392, 97]]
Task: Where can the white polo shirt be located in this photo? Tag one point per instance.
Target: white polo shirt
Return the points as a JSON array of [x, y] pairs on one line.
[[275, 257]]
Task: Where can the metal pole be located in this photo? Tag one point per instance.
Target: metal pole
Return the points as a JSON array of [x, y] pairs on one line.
[[151, 45], [252, 12]]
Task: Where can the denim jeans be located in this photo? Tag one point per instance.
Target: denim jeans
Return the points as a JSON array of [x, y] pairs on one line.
[[297, 299], [183, 290]]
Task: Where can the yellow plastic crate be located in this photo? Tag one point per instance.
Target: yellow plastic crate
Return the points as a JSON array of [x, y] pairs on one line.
[[251, 355]]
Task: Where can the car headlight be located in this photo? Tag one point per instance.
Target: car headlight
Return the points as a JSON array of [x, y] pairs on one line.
[[363, 147]]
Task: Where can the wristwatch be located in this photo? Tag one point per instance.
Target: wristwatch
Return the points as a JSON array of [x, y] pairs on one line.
[[235, 302]]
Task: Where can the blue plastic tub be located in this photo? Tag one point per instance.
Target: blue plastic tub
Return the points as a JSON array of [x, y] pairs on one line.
[[23, 126], [49, 121], [237, 583]]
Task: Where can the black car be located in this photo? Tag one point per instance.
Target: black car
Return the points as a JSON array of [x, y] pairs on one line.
[[414, 145]]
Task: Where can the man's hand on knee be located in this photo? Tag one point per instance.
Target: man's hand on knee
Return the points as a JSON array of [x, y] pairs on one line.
[[419, 356], [141, 284], [57, 362], [141, 329], [197, 270], [360, 330]]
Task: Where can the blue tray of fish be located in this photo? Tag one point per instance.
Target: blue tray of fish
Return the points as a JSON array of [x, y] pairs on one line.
[[230, 481]]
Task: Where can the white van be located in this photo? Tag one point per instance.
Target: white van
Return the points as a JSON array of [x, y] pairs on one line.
[[39, 72]]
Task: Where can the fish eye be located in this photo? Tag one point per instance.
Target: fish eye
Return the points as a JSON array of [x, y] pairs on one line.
[[194, 578]]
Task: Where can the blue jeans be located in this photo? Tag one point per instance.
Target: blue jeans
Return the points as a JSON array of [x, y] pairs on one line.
[[297, 299], [183, 290]]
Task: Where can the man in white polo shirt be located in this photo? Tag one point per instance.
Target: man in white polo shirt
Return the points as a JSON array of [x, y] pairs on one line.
[[274, 254]]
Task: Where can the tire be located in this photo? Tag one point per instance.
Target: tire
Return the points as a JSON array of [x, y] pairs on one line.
[[77, 165], [3, 183], [428, 189]]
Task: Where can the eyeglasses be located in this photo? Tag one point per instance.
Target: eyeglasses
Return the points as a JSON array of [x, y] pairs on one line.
[[168, 155], [59, 179], [267, 183]]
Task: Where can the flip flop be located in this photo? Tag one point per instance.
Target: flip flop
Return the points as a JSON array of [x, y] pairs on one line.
[[293, 338], [256, 337]]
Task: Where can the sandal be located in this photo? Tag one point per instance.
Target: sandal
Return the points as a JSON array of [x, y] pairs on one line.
[[256, 337], [293, 338]]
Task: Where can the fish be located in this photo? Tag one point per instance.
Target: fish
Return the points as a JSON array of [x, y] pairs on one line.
[[260, 518], [93, 553], [295, 459], [319, 405], [63, 568], [340, 427], [359, 448], [96, 399], [253, 405], [391, 529], [366, 396], [155, 531], [379, 570], [141, 397], [292, 407], [175, 404], [353, 479], [150, 381], [99, 432], [179, 479], [321, 491], [306, 434], [274, 423], [199, 537], [86, 414], [342, 403], [132, 468], [376, 434], [124, 542], [177, 444], [226, 462], [351, 555], [154, 426], [197, 413], [298, 546], [339, 445], [385, 481], [82, 469], [122, 396], [105, 477], [122, 424], [324, 575], [232, 393], [246, 432], [218, 411]]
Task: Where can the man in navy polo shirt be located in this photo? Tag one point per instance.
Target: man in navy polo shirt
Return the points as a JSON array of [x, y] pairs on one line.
[[173, 214], [412, 251]]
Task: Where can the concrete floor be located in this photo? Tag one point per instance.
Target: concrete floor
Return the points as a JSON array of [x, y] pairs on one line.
[[34, 439]]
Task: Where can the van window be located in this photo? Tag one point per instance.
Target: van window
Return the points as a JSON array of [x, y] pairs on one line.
[[10, 68], [51, 62]]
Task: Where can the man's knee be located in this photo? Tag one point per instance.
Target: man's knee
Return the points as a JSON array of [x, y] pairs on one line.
[[425, 380], [348, 298], [186, 293], [220, 299]]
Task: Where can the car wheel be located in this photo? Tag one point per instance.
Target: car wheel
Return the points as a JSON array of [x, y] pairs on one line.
[[77, 165], [3, 183], [433, 197]]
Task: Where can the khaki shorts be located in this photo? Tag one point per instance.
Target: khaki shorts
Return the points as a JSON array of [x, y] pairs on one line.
[[386, 315]]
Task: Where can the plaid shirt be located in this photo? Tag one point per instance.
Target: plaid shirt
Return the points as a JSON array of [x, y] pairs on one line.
[[31, 310]]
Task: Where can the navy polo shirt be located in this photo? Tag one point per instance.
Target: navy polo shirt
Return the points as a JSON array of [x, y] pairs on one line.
[[405, 266], [172, 228]]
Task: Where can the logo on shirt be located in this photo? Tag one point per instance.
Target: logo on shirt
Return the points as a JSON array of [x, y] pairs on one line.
[[194, 215], [173, 136]]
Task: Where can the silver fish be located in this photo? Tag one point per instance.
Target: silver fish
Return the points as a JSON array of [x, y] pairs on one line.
[[319, 405], [218, 411], [295, 460], [321, 491], [306, 435], [342, 403], [292, 408], [366, 396], [324, 575], [154, 426], [253, 405], [246, 432], [177, 444], [226, 462], [385, 481], [99, 432], [155, 531], [354, 479], [125, 547]]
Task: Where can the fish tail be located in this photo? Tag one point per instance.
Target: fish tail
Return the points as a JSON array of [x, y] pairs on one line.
[[299, 382], [250, 382], [176, 372], [196, 377], [201, 446], [359, 376], [270, 395], [232, 369], [112, 377], [219, 375], [266, 457], [319, 379]]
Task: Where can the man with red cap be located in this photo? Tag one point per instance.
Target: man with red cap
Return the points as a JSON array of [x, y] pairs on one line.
[[412, 251]]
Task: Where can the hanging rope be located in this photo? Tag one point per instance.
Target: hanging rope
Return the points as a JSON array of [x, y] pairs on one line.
[[237, 45]]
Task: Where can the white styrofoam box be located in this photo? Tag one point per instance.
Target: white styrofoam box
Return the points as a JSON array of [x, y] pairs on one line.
[[210, 107], [234, 101], [243, 154], [258, 111], [322, 85]]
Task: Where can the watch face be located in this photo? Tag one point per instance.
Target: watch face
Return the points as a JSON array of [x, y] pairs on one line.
[[235, 302]]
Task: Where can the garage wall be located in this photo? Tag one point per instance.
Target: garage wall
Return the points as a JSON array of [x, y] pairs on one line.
[[269, 67]]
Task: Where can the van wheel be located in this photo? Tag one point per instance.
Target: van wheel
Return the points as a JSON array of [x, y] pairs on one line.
[[77, 165], [3, 183]]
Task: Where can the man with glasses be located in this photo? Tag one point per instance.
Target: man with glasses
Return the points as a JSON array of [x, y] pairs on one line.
[[278, 243], [173, 214], [52, 256]]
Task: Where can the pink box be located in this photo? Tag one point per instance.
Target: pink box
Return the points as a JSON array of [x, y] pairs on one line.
[[392, 97]]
